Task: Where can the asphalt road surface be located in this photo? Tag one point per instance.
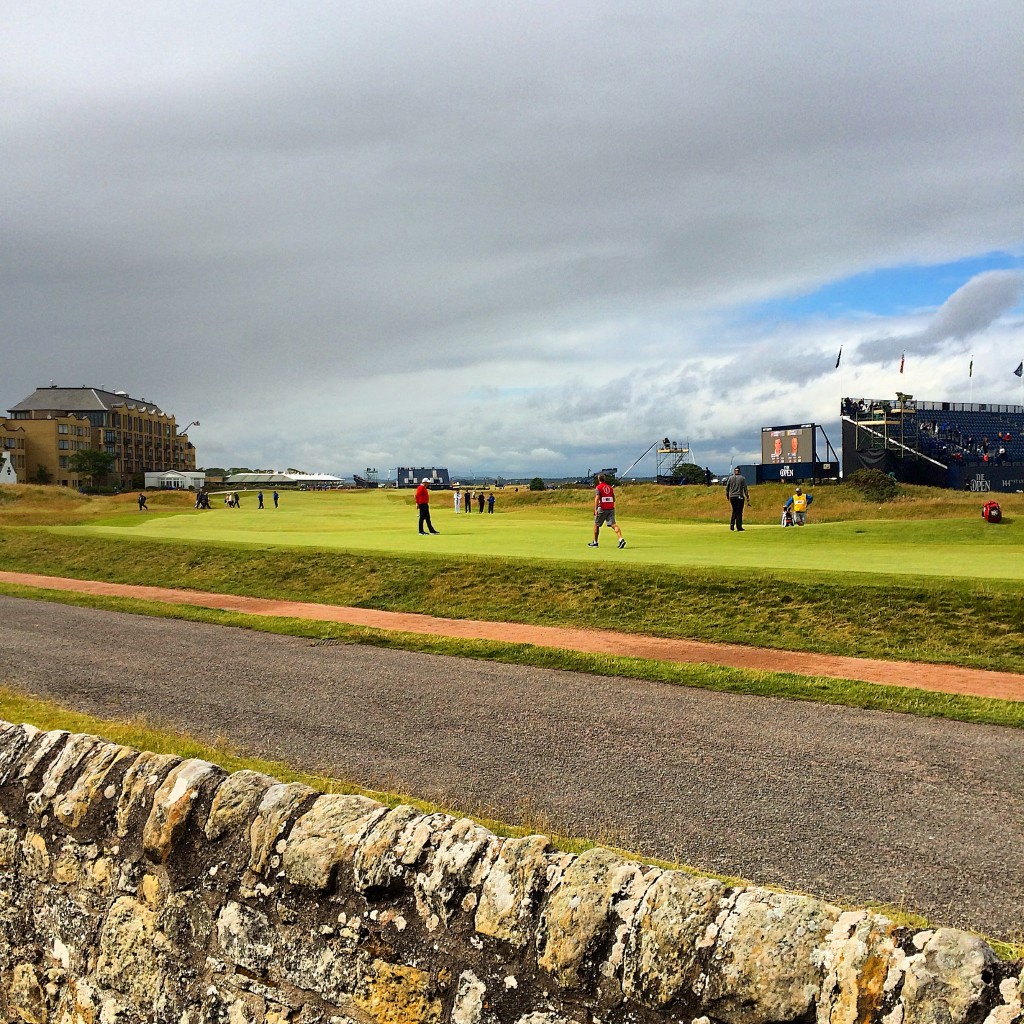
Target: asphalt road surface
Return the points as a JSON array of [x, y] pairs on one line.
[[850, 805]]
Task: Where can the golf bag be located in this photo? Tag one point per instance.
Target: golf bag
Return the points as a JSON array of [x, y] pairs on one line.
[[787, 516], [991, 512]]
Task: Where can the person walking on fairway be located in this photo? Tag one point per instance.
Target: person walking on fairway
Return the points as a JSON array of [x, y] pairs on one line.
[[259, 498], [604, 510], [737, 493], [423, 505], [277, 498], [142, 502]]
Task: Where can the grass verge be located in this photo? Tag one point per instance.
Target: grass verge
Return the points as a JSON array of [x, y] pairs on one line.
[[940, 620]]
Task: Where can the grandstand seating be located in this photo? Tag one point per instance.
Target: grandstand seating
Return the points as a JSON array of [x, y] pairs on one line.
[[944, 431]]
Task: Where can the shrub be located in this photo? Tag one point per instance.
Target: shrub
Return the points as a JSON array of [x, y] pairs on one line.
[[537, 484], [874, 485]]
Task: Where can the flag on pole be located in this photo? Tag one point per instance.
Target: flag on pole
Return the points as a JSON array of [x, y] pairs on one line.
[[970, 369], [1020, 369], [902, 358], [840, 356]]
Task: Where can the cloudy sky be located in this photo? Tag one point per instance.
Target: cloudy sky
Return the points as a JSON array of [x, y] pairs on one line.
[[510, 237]]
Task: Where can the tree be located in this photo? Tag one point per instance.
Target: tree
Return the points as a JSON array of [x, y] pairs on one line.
[[537, 484], [42, 475], [92, 462], [688, 472]]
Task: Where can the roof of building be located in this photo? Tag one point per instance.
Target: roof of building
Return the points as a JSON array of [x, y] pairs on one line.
[[82, 400], [282, 478]]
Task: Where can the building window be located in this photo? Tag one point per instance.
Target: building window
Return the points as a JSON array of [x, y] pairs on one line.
[[63, 462], [62, 428], [64, 445]]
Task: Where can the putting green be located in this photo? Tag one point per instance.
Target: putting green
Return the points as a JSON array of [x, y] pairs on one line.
[[386, 521]]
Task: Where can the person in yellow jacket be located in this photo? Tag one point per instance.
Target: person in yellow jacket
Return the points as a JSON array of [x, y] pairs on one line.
[[799, 503]]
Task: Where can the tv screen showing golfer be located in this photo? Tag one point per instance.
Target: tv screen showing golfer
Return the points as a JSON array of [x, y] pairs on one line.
[[782, 446]]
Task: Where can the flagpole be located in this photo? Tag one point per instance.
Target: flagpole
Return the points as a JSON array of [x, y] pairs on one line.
[[970, 377]]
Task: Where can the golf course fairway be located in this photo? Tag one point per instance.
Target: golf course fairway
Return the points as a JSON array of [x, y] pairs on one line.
[[385, 521]]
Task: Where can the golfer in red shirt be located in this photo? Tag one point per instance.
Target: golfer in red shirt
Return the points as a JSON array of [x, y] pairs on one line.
[[423, 504], [604, 510]]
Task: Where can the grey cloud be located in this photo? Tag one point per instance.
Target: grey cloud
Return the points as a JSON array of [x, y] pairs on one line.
[[303, 200], [975, 306], [971, 309]]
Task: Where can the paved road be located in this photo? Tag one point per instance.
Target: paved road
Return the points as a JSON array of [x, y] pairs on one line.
[[846, 804]]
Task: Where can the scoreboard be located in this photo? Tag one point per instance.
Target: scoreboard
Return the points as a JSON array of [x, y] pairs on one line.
[[787, 446]]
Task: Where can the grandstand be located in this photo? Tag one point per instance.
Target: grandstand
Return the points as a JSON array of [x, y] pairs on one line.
[[965, 446], [410, 476]]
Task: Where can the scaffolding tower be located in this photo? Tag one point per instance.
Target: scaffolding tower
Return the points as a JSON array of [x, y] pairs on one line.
[[672, 455]]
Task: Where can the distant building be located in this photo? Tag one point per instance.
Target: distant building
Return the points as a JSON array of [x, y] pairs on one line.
[[302, 481], [7, 471], [45, 429], [410, 476], [174, 480], [13, 444]]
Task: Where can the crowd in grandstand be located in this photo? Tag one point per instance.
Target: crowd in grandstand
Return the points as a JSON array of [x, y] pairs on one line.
[[964, 436]]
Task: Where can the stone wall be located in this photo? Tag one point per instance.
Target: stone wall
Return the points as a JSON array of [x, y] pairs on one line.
[[143, 887]]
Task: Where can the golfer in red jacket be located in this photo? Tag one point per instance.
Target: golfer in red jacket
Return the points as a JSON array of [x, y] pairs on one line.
[[604, 510], [423, 504]]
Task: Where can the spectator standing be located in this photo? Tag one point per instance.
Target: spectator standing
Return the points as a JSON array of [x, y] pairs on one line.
[[604, 510], [490, 503], [480, 501], [468, 502], [738, 495], [458, 501], [259, 498], [423, 506]]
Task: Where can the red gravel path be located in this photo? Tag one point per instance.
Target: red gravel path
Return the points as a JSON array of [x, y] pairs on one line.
[[941, 678]]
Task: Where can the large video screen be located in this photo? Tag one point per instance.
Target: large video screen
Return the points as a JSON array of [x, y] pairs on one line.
[[782, 446]]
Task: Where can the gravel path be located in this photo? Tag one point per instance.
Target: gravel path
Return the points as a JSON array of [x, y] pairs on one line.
[[843, 803]]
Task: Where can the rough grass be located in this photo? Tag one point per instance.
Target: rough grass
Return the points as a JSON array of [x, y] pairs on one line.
[[929, 619]]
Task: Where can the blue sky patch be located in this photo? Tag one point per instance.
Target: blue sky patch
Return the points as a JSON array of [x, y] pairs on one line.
[[885, 292]]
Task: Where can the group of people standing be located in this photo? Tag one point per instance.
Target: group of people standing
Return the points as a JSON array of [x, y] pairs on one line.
[[736, 491], [464, 501]]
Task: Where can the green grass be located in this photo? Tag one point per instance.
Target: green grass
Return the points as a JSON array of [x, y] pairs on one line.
[[927, 618], [559, 528]]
